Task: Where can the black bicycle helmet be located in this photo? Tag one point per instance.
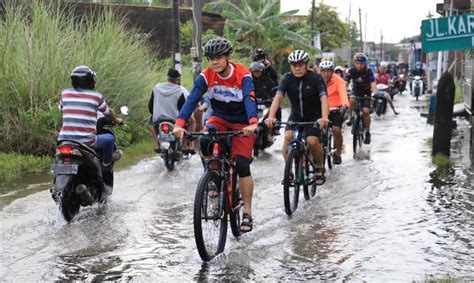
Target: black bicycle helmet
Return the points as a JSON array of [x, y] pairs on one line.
[[83, 77], [217, 46]]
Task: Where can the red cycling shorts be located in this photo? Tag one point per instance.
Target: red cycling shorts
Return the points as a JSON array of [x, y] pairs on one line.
[[241, 145]]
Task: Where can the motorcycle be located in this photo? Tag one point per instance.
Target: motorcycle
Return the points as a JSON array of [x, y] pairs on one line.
[[401, 83], [261, 142], [79, 177], [380, 100], [417, 86], [170, 147]]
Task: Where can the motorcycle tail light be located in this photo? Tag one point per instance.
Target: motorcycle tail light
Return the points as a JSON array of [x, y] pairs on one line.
[[64, 150], [165, 128], [68, 150], [215, 150]]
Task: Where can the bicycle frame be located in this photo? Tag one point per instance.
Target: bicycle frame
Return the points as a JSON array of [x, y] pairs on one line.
[[226, 169], [302, 148]]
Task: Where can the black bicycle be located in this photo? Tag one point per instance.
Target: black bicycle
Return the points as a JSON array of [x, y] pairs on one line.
[[358, 127], [327, 142], [217, 196], [299, 169]]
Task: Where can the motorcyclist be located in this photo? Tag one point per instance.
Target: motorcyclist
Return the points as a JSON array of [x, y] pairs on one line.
[[265, 89], [79, 107], [165, 102], [262, 57], [418, 71], [383, 77]]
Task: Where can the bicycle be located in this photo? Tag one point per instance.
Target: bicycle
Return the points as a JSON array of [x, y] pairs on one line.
[[358, 127], [298, 156], [327, 142], [217, 196]]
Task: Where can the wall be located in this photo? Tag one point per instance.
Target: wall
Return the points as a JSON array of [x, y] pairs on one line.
[[154, 23]]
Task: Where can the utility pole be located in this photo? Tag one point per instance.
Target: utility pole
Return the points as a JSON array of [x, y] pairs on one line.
[[381, 47], [196, 51], [196, 54], [175, 30], [360, 29], [313, 31]]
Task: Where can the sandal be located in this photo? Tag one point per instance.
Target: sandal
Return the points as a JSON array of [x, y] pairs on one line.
[[246, 225], [319, 177]]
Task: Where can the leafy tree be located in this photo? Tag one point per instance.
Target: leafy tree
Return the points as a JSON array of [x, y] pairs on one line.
[[258, 24], [334, 32]]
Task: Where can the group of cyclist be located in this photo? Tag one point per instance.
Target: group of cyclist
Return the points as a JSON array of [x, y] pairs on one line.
[[318, 96]]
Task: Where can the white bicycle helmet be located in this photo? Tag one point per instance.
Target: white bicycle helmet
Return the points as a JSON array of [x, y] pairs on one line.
[[383, 64], [326, 65], [298, 56], [339, 68]]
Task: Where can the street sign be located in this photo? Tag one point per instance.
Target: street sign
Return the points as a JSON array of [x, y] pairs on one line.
[[450, 33]]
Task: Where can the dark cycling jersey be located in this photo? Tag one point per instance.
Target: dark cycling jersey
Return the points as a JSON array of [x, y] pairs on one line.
[[304, 94], [360, 80]]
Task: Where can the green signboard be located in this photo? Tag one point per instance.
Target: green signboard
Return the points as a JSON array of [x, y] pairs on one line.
[[451, 33]]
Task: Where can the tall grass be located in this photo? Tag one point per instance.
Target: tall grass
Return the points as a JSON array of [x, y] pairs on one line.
[[40, 43]]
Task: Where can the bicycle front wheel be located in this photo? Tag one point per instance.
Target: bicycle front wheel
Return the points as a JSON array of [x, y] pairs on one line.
[[210, 219], [236, 209], [309, 186], [355, 136], [329, 148], [291, 185]]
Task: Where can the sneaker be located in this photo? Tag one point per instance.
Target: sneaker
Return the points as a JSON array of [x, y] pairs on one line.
[[117, 155], [367, 138], [351, 120], [337, 159]]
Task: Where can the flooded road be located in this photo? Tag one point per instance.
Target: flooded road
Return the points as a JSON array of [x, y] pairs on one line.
[[388, 214]]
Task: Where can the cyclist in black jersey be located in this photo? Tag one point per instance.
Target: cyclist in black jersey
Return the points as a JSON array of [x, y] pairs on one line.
[[309, 103], [363, 86]]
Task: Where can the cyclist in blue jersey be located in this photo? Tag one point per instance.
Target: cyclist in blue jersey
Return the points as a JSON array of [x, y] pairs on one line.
[[363, 86]]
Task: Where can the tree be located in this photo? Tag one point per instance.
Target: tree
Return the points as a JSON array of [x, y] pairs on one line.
[[258, 24], [334, 32]]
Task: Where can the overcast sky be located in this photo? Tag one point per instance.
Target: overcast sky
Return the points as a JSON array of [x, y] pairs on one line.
[[397, 18]]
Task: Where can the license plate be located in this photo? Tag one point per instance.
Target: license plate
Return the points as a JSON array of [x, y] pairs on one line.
[[168, 138], [64, 169]]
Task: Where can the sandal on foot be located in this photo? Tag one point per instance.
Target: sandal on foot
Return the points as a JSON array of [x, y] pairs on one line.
[[246, 225], [319, 177]]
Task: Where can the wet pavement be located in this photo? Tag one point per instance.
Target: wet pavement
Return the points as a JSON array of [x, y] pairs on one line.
[[387, 215]]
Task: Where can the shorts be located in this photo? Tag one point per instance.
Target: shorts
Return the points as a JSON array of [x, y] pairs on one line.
[[363, 100], [336, 118], [241, 145], [309, 130]]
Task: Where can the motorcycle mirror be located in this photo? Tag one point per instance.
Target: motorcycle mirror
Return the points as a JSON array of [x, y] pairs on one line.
[[124, 110]]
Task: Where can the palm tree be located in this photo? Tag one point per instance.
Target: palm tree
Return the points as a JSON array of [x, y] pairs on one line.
[[259, 24]]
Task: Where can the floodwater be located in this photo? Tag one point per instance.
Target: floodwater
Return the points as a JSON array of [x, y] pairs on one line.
[[387, 215]]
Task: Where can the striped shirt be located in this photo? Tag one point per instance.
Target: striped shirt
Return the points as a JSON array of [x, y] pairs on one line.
[[79, 108]]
